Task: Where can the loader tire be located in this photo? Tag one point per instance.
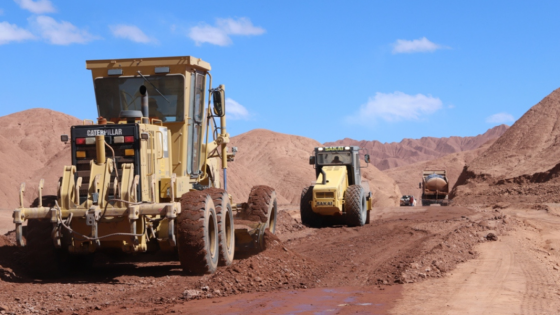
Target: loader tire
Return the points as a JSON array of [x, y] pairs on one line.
[[42, 256], [226, 230], [308, 217], [197, 233], [262, 206], [355, 203]]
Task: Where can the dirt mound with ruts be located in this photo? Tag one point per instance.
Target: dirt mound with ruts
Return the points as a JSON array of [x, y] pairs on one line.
[[282, 161], [522, 165], [397, 154]]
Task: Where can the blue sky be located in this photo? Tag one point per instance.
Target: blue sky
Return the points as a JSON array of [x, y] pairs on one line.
[[367, 70]]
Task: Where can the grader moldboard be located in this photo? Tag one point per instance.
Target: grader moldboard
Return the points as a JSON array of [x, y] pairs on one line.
[[146, 178], [339, 194]]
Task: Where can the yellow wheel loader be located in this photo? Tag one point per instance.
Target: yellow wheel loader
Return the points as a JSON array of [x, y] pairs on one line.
[[146, 175], [340, 193]]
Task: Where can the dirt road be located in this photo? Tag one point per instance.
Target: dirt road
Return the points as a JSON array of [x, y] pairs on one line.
[[409, 260]]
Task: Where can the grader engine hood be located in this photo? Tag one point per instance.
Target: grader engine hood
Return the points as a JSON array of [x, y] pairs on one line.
[[327, 197]]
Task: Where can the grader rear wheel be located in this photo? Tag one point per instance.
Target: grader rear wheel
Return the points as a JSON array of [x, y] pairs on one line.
[[262, 206], [226, 229], [197, 233]]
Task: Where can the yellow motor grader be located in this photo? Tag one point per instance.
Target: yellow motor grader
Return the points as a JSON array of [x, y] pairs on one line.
[[339, 193], [146, 175]]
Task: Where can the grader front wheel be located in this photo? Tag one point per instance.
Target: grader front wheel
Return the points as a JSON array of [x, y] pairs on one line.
[[263, 207], [197, 234], [226, 228]]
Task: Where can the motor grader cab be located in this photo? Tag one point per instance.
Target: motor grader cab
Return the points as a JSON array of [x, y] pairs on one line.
[[339, 192], [147, 175]]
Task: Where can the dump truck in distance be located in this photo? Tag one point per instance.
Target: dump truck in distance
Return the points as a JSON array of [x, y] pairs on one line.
[[435, 187]]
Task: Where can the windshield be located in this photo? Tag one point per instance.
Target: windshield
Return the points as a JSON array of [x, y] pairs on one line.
[[116, 94], [332, 158]]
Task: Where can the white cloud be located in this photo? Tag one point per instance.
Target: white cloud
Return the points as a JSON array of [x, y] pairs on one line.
[[236, 111], [413, 46], [209, 34], [131, 32], [395, 107], [500, 118], [220, 34], [60, 33], [242, 26], [37, 7], [12, 33]]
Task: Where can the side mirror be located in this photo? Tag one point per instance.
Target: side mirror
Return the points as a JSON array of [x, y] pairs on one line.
[[312, 160], [219, 100], [64, 138], [366, 158]]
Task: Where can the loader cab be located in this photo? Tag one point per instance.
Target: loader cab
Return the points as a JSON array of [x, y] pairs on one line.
[[337, 156]]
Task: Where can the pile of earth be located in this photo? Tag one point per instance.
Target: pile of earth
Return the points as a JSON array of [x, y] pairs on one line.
[[389, 155], [522, 165]]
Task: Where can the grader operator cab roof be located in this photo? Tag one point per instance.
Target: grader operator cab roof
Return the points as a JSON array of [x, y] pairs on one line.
[[169, 82]]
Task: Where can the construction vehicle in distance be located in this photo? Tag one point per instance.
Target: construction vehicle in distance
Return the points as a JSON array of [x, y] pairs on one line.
[[435, 187], [339, 192], [145, 177]]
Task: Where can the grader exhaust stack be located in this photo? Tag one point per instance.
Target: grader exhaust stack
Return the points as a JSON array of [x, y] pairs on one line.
[[146, 178]]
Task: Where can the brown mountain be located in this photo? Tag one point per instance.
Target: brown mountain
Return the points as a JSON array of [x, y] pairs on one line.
[[522, 165], [30, 149], [388, 155]]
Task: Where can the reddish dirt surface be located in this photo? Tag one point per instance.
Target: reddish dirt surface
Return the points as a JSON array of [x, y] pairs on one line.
[[522, 165], [399, 246], [388, 155]]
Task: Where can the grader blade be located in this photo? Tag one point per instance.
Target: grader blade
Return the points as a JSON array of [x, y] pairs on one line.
[[249, 237]]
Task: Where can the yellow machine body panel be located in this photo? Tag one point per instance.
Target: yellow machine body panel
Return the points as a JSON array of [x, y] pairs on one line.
[[328, 198]]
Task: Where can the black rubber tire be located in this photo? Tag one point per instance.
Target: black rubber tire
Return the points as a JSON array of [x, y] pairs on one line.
[[263, 207], [197, 233], [308, 217], [355, 204], [226, 229], [42, 256]]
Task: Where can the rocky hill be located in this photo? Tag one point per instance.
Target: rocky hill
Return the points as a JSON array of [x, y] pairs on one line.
[[389, 155]]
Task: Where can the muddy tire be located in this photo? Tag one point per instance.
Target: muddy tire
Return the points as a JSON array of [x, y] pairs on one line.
[[42, 256], [308, 217], [262, 206], [197, 233], [355, 203], [226, 230]]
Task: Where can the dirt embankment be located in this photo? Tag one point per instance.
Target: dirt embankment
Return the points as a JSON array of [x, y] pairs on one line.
[[522, 165], [400, 246], [397, 154]]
